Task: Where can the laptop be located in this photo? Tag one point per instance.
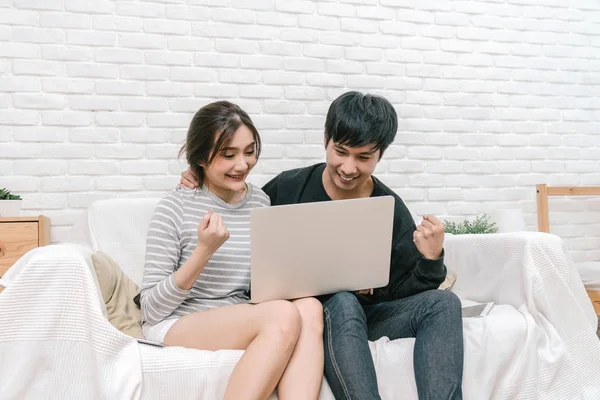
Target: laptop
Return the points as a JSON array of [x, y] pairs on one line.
[[312, 249]]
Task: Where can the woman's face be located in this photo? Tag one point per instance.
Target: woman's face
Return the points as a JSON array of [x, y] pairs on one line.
[[226, 175]]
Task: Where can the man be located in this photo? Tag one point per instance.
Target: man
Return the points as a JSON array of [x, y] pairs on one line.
[[358, 129]]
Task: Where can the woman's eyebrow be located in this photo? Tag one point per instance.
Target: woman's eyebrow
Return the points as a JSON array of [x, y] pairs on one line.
[[230, 148]]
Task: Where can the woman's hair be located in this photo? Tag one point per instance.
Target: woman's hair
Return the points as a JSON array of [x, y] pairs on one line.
[[211, 131]]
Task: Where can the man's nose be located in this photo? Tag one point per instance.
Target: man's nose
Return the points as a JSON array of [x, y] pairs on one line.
[[348, 168]]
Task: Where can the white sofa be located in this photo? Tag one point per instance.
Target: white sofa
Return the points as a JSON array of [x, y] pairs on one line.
[[537, 343]]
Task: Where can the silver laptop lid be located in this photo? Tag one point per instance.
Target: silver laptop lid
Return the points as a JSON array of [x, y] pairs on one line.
[[311, 249]]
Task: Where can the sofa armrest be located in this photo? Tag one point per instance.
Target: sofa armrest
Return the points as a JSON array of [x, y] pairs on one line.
[[53, 316], [529, 269], [56, 252]]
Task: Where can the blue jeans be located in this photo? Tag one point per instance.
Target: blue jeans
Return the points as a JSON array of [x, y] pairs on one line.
[[433, 318]]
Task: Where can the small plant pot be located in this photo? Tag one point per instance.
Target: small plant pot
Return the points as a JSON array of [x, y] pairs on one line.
[[10, 208]]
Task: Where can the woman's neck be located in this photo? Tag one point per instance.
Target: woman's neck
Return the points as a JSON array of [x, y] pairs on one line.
[[228, 196]]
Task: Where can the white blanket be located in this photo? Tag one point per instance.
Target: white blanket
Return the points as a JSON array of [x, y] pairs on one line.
[[538, 343], [590, 274], [558, 353], [55, 342]]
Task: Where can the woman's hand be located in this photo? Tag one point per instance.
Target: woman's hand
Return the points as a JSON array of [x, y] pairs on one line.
[[212, 233]]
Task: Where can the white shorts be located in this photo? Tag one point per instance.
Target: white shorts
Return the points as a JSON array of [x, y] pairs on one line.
[[158, 331]]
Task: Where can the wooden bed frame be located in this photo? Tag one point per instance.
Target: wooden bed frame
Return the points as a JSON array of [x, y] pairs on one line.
[[543, 191]]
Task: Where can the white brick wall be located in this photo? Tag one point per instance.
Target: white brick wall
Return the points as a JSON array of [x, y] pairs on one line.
[[493, 96]]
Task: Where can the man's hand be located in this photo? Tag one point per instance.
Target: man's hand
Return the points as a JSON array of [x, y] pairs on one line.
[[429, 237], [188, 179], [365, 291]]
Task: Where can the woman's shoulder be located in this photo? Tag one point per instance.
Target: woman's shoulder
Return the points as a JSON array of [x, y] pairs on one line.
[[179, 195], [258, 196]]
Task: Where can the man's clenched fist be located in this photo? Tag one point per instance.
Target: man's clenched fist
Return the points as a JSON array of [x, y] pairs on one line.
[[429, 237]]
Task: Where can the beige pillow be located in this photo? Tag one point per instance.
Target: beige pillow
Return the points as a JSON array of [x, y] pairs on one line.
[[118, 292]]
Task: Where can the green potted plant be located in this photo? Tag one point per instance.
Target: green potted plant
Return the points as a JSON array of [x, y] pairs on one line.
[[481, 224], [10, 204]]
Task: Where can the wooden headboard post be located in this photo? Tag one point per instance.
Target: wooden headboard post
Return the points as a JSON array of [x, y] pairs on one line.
[[543, 191]]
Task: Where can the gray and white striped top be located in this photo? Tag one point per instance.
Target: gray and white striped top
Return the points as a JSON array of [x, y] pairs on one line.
[[173, 236]]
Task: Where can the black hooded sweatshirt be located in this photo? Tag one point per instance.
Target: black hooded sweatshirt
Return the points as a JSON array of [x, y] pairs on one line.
[[410, 272]]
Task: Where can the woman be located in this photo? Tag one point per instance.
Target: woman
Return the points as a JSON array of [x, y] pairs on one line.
[[197, 272]]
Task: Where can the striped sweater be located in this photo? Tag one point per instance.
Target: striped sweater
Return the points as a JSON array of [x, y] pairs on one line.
[[173, 236]]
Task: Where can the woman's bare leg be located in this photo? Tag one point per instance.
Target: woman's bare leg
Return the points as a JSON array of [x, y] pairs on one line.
[[267, 332], [304, 374]]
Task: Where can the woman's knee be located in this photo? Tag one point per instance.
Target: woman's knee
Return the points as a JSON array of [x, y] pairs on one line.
[[284, 318], [311, 314]]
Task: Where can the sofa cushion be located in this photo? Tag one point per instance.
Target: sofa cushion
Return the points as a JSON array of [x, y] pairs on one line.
[[118, 292], [118, 228]]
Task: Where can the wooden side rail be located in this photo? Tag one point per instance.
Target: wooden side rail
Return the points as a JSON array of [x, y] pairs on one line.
[[543, 191]]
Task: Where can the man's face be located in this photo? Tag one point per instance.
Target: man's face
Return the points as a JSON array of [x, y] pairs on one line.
[[350, 168]]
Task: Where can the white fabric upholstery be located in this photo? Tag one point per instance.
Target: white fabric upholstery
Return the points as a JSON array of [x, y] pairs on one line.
[[590, 274], [538, 343], [55, 340], [558, 355], [118, 228], [520, 348]]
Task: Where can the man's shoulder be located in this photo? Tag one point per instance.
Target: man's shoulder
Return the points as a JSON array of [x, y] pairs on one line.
[[297, 173], [401, 211], [287, 187], [381, 189]]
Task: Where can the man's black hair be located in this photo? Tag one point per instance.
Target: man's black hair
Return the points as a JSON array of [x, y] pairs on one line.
[[355, 119]]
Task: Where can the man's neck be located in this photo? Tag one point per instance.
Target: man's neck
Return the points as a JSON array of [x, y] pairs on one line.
[[336, 193]]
